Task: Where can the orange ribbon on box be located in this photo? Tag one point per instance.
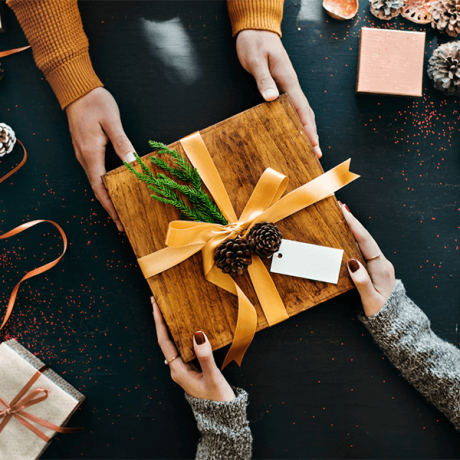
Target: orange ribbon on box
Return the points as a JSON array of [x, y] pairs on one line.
[[15, 409], [186, 238]]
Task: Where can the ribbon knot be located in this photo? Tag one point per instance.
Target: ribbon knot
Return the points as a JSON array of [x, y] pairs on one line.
[[265, 204], [15, 409]]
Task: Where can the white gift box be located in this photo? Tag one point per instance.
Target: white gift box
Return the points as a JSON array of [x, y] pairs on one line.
[[17, 367]]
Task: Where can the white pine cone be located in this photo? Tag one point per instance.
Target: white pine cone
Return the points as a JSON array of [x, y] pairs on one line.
[[444, 68], [7, 139], [386, 9], [445, 16]]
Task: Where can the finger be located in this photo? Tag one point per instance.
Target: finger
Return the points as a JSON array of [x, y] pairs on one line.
[[367, 244], [204, 354], [122, 145], [306, 115], [265, 83], [103, 197], [166, 344], [371, 299]]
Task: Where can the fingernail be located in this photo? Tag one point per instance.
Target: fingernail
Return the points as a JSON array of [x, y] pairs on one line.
[[340, 203], [353, 264], [346, 207], [152, 299], [130, 157], [200, 338], [270, 94]]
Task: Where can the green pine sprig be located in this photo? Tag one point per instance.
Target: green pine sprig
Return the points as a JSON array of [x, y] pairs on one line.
[[201, 207]]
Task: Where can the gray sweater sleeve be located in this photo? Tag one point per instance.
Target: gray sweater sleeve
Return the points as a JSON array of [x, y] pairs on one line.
[[224, 428], [429, 363]]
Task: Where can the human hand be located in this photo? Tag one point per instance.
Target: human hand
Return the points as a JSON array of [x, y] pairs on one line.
[[376, 283], [210, 383], [262, 54], [94, 119]]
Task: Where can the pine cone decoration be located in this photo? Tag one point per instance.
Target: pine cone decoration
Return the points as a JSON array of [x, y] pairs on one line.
[[444, 68], [7, 139], [386, 9], [233, 256], [264, 239], [445, 16]]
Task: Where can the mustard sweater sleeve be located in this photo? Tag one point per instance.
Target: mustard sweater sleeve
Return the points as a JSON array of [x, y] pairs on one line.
[[256, 14], [59, 44]]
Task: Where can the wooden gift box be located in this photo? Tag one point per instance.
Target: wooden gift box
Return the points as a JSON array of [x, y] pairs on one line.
[[242, 147]]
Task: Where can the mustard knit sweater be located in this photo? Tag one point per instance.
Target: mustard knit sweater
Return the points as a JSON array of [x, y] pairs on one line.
[[60, 46]]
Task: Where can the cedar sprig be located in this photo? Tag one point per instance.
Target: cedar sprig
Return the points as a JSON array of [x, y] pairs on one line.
[[201, 209]]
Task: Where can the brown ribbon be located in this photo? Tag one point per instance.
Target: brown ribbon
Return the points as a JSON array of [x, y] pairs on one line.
[[13, 51], [19, 166], [36, 271], [15, 409]]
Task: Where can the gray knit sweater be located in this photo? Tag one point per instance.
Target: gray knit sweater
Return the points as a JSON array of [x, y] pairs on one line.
[[401, 329]]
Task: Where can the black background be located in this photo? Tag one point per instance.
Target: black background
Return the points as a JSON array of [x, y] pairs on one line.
[[319, 386]]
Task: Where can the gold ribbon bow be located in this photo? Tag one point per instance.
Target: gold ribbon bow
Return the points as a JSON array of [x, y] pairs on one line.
[[15, 409], [265, 204]]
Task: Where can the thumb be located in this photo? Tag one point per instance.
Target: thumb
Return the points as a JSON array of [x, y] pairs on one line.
[[369, 296], [122, 145], [204, 354], [264, 80]]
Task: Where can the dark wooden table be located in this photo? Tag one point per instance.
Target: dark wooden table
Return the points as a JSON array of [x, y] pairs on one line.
[[319, 386]]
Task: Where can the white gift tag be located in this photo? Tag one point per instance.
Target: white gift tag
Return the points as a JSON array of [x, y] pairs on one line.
[[307, 261]]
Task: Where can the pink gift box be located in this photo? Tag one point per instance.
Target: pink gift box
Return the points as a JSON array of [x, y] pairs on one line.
[[390, 62]]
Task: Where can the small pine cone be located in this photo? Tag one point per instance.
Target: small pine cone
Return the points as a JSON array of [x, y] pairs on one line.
[[444, 68], [264, 239], [386, 9], [445, 16], [233, 256], [7, 139]]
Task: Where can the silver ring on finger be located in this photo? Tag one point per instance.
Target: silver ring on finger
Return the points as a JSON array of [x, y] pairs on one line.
[[374, 257]]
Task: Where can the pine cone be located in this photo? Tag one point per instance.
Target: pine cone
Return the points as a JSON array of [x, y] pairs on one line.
[[2, 72], [445, 16], [386, 9], [233, 256], [444, 68], [264, 239], [7, 139]]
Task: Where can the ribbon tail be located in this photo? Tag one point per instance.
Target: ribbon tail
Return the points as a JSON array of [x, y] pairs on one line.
[[246, 324], [269, 297], [5, 422], [19, 166], [36, 271], [13, 51], [166, 258], [32, 428]]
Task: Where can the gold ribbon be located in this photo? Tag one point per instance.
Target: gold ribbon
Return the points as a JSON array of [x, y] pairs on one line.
[[186, 238]]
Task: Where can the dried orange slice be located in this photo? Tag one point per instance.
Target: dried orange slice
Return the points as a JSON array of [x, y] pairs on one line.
[[341, 9], [417, 11]]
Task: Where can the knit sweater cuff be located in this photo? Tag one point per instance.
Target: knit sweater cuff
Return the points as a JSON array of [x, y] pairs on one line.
[[73, 80], [256, 14], [382, 322], [231, 414]]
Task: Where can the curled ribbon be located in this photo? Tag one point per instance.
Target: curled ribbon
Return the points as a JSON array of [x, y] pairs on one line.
[[15, 409], [19, 166], [36, 271], [186, 238]]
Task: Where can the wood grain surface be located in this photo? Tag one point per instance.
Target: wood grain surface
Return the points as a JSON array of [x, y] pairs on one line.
[[242, 147]]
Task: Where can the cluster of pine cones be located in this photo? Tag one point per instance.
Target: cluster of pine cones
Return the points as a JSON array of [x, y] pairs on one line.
[[443, 14], [234, 256]]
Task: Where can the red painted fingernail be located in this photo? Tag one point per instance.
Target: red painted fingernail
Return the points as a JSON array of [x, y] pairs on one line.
[[347, 208], [354, 265], [200, 338], [340, 203]]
